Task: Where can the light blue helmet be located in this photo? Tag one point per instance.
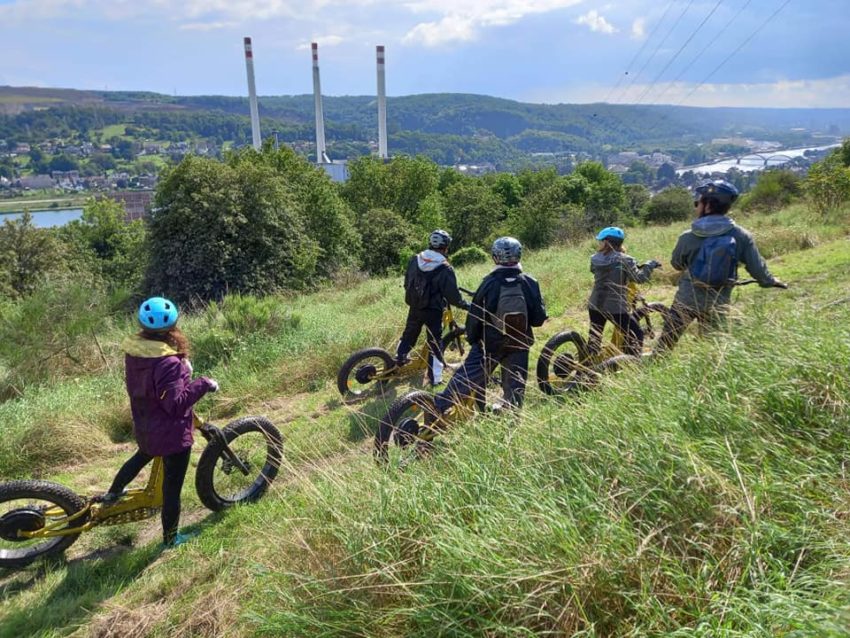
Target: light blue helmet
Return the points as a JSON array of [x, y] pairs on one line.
[[507, 251], [611, 232], [157, 314]]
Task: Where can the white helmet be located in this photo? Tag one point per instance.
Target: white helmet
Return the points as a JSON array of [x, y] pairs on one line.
[[439, 239]]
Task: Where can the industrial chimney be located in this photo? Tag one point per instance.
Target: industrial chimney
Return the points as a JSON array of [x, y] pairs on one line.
[[252, 95], [382, 105], [321, 151]]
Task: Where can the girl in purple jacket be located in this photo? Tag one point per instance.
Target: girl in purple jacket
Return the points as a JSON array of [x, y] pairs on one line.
[[159, 383]]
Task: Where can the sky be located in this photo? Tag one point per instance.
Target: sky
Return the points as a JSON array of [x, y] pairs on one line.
[[775, 53]]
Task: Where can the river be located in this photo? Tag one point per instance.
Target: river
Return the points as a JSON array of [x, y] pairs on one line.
[[751, 162], [47, 218]]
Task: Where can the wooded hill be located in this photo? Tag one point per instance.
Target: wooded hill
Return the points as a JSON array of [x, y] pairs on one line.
[[447, 127]]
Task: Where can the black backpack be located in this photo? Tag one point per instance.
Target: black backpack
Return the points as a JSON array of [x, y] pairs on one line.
[[418, 292], [512, 315]]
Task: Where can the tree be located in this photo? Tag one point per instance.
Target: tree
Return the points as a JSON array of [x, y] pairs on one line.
[[637, 196], [111, 248], [326, 217], [639, 173], [27, 254], [666, 175], [473, 212], [390, 237], [63, 163], [670, 205], [606, 199], [103, 161], [507, 186], [220, 227]]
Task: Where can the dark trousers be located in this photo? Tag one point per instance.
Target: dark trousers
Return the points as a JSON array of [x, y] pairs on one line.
[[432, 319], [680, 317], [175, 466], [471, 378], [627, 324]]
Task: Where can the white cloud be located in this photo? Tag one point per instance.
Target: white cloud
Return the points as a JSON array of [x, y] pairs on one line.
[[463, 21], [322, 41], [207, 26], [639, 28], [821, 93], [596, 22]]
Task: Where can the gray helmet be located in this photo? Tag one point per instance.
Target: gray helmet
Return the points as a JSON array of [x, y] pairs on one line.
[[506, 251], [439, 239]]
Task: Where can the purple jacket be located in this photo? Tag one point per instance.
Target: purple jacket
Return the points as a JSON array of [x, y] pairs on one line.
[[162, 393]]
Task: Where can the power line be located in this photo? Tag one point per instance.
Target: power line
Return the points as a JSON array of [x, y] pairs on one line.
[[702, 51], [731, 55], [678, 53], [658, 48], [640, 51]]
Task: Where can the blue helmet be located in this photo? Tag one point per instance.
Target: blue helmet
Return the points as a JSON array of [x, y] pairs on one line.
[[157, 314], [611, 232], [718, 189], [506, 251]]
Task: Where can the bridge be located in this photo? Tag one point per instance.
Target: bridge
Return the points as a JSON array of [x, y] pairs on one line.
[[765, 158]]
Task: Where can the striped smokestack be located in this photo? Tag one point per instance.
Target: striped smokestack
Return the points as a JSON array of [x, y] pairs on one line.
[[321, 154], [382, 105], [252, 95]]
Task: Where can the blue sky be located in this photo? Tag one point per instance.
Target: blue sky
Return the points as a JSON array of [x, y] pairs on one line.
[[531, 50]]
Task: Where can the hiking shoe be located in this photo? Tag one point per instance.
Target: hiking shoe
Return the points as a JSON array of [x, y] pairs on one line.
[[109, 498], [180, 539]]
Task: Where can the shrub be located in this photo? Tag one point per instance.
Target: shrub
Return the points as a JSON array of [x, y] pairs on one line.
[[107, 245], [52, 332], [774, 190], [27, 254], [670, 205], [387, 237], [237, 321], [470, 255], [828, 185], [220, 228]]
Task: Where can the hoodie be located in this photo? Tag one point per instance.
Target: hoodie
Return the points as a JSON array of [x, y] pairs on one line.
[[700, 298], [613, 272], [442, 283], [162, 393]]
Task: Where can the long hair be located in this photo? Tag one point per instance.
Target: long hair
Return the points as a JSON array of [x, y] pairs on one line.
[[174, 337], [611, 245]]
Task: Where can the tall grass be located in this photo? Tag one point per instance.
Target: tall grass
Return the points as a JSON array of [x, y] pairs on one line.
[[700, 496], [703, 495]]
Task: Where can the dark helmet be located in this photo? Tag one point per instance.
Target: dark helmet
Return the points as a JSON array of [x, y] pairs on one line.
[[506, 251], [439, 239], [718, 189]]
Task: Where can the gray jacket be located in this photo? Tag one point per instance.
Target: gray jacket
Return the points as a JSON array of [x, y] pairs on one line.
[[613, 272], [699, 297]]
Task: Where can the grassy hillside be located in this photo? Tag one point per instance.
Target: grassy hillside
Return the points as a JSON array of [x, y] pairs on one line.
[[705, 494]]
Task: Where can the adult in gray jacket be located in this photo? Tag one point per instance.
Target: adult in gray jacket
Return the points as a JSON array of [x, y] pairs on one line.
[[709, 255], [613, 270]]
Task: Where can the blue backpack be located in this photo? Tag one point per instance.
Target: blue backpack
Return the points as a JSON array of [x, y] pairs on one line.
[[716, 264]]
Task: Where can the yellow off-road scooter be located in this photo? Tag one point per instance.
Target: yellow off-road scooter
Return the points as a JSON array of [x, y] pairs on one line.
[[369, 370], [566, 364], [41, 518]]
